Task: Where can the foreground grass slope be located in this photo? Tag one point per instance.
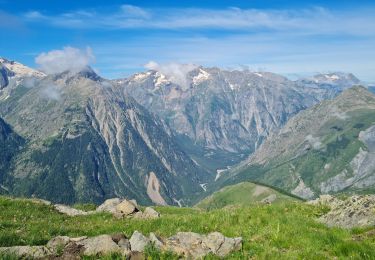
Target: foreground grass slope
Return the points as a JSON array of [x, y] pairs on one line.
[[284, 230], [243, 194]]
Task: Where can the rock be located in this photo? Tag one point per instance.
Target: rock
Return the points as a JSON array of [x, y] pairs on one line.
[[77, 239], [156, 241], [72, 251], [69, 210], [99, 245], [126, 208], [269, 199], [109, 205], [138, 214], [138, 241], [150, 213], [41, 201], [229, 245], [354, 211], [58, 243], [117, 237], [188, 244], [193, 245], [214, 241], [28, 252], [122, 241], [134, 202], [124, 244]]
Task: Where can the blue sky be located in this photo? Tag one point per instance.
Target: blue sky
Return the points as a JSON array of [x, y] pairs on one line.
[[289, 37]]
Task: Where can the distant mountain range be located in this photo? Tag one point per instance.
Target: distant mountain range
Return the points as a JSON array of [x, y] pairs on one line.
[[328, 148], [77, 137], [221, 116]]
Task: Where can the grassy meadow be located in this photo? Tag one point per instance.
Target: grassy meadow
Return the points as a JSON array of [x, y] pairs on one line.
[[286, 230]]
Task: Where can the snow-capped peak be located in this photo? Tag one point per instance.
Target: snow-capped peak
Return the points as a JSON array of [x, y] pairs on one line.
[[20, 70], [160, 79], [141, 76], [202, 76]]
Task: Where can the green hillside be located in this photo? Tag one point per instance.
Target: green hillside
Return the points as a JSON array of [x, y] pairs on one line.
[[243, 194], [285, 230]]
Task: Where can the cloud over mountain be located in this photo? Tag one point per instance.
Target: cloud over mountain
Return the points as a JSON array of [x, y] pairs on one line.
[[67, 59], [175, 72]]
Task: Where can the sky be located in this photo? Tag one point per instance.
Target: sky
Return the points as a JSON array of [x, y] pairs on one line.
[[118, 38]]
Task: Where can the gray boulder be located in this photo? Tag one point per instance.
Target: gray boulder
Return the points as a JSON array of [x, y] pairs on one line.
[[126, 208], [156, 241], [99, 245], [27, 252], [148, 213], [109, 205], [72, 212], [138, 242], [193, 245]]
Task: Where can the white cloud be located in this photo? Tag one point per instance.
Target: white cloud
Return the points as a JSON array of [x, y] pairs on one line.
[[175, 72], [309, 21], [134, 11], [67, 59], [51, 92]]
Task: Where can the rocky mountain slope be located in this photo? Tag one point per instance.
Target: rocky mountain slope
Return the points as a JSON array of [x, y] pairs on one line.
[[10, 144], [86, 141], [328, 148], [221, 116]]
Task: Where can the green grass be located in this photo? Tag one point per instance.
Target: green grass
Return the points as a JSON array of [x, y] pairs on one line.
[[242, 194], [285, 230]]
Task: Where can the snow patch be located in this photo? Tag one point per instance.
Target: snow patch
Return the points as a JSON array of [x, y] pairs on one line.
[[160, 79], [218, 173], [203, 186], [202, 76]]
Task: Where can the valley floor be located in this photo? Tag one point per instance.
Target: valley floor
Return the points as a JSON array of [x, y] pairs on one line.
[[286, 230]]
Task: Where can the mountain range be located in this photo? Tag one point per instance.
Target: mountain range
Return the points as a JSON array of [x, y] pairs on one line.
[[328, 148], [77, 137]]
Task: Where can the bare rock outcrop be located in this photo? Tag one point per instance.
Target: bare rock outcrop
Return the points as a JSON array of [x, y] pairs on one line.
[[186, 244], [354, 211]]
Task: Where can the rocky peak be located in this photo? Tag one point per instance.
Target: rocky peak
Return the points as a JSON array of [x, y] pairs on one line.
[[19, 70]]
